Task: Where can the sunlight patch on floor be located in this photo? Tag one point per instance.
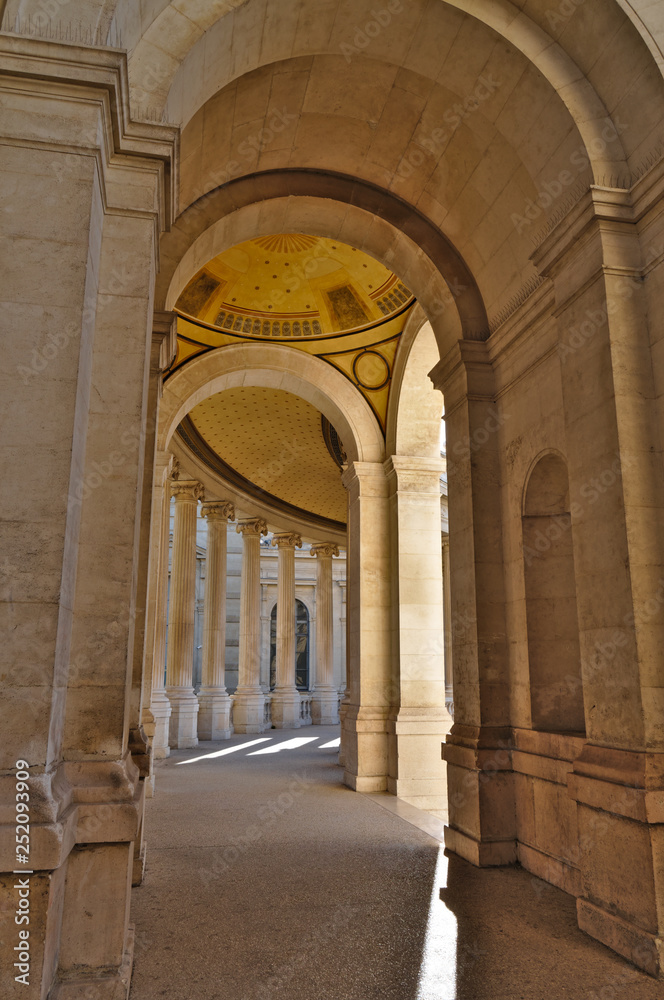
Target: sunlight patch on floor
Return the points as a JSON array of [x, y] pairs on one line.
[[226, 750], [437, 979], [297, 741]]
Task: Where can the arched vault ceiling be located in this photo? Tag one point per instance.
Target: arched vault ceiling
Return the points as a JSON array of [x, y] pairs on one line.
[[591, 55], [293, 285], [317, 295], [275, 442]]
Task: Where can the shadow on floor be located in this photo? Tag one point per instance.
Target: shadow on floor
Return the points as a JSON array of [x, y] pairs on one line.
[[517, 939], [267, 879]]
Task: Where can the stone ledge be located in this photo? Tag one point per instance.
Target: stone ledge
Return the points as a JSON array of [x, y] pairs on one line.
[[645, 950], [544, 767], [552, 870], [483, 855], [82, 802]]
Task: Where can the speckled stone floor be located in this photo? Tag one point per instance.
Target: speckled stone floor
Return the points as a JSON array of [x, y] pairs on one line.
[[266, 879]]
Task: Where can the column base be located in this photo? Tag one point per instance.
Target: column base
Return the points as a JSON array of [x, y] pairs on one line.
[[183, 723], [480, 794], [642, 949], [325, 706], [286, 708], [111, 987], [364, 740], [249, 710], [417, 772], [483, 854], [619, 797], [160, 707], [343, 708], [214, 714]]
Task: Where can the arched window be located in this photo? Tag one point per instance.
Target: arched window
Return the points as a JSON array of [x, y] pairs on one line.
[[556, 688], [301, 647]]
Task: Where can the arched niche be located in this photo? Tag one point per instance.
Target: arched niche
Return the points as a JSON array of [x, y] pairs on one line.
[[554, 658]]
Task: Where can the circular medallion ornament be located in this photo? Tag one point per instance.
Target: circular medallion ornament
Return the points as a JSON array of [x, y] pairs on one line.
[[371, 370]]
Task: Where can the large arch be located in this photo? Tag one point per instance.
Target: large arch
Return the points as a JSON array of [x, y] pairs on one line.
[[280, 367], [327, 205], [166, 46], [551, 348]]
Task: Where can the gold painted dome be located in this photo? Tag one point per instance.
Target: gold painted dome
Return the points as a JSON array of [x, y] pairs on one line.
[[293, 286]]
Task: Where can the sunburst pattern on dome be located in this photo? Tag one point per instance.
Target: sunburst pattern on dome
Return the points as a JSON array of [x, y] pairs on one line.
[[286, 242]]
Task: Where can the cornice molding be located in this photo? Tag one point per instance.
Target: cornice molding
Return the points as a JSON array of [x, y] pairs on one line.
[[98, 76]]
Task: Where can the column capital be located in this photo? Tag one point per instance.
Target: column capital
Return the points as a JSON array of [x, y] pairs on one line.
[[287, 540], [252, 526], [187, 490], [324, 549], [218, 510]]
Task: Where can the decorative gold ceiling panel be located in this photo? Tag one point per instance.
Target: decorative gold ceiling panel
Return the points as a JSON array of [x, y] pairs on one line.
[[274, 440], [290, 286], [317, 295]]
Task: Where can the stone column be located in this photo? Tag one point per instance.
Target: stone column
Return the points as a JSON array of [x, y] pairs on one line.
[[419, 720], [364, 743], [480, 782], [214, 716], [325, 701], [447, 628], [181, 613], [249, 701], [160, 706], [286, 698], [156, 468], [78, 348]]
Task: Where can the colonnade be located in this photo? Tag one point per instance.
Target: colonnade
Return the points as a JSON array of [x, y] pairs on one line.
[[178, 716]]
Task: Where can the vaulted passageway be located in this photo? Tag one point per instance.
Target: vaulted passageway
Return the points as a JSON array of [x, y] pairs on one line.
[[505, 163]]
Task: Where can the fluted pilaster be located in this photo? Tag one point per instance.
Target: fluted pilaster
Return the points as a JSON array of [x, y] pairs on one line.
[[214, 716], [181, 614], [286, 698], [249, 700], [325, 701]]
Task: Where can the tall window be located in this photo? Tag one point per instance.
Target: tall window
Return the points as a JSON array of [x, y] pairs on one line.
[[301, 647]]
